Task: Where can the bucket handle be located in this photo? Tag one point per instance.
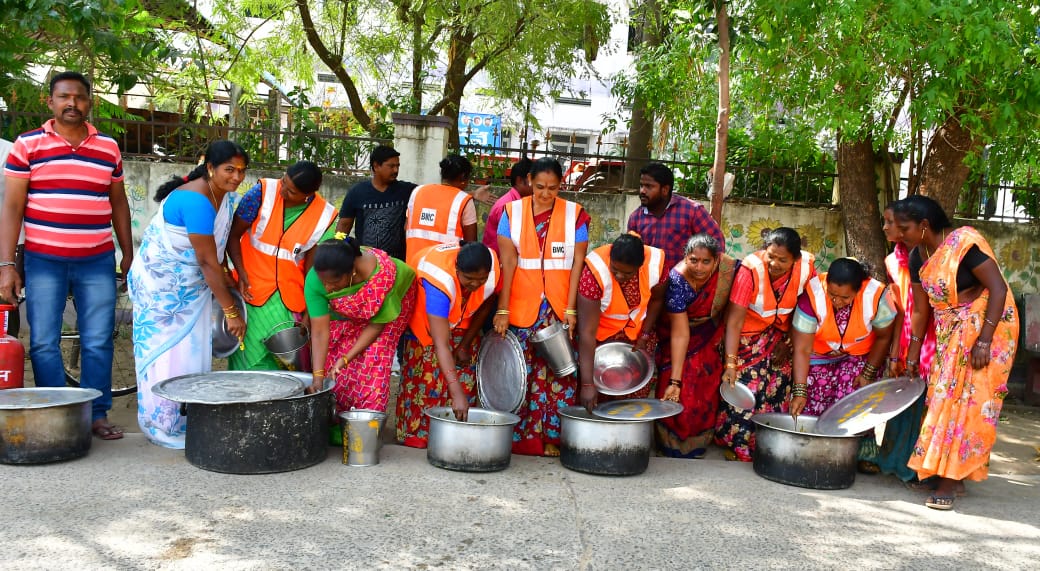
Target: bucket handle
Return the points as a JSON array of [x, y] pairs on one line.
[[274, 327]]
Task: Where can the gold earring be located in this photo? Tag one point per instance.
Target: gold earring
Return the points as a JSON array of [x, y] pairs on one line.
[[211, 176]]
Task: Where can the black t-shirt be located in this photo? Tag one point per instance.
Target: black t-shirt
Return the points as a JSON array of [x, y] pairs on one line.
[[965, 279], [379, 217]]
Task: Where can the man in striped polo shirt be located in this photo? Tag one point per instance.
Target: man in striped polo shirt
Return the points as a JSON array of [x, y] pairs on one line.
[[65, 182]]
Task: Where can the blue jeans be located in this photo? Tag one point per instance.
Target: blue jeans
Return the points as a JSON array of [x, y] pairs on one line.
[[93, 286]]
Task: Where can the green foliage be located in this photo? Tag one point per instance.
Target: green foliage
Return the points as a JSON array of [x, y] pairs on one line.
[[112, 41]]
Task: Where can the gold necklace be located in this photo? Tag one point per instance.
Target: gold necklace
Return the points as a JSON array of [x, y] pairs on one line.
[[209, 187]]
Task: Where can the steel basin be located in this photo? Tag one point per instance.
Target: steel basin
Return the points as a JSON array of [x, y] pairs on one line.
[[618, 370], [793, 454], [604, 446], [484, 443], [37, 432]]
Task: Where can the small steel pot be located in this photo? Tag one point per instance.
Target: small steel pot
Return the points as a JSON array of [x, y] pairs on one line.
[[604, 446], [794, 454], [45, 424], [484, 443]]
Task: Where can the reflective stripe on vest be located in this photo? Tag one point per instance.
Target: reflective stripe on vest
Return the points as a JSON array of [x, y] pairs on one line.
[[299, 251], [757, 265], [435, 265], [516, 219], [454, 213], [649, 276], [868, 298]]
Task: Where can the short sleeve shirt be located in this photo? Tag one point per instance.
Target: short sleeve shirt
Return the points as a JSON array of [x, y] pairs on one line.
[[379, 217]]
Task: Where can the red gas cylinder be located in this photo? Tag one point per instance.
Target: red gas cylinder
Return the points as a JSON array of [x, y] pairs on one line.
[[12, 354]]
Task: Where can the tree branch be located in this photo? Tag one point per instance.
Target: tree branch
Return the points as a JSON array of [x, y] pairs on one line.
[[323, 53]]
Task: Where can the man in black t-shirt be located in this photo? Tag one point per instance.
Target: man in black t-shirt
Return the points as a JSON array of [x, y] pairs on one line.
[[378, 205]]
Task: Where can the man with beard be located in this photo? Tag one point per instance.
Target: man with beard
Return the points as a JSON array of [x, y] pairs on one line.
[[65, 182], [665, 220], [378, 205]]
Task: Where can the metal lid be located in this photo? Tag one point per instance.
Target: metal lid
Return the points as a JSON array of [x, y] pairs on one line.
[[501, 373], [870, 406], [44, 397], [638, 409], [737, 395], [229, 387], [618, 370]]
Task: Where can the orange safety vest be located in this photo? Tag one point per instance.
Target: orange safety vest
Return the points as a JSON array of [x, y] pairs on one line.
[[615, 314], [436, 264], [859, 333], [434, 217], [273, 257], [765, 310], [547, 273]]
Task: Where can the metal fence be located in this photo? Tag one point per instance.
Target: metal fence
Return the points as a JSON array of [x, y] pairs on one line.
[[605, 172], [179, 141]]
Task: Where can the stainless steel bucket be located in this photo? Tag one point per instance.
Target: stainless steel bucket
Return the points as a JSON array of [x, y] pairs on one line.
[[553, 344], [291, 346], [361, 442]]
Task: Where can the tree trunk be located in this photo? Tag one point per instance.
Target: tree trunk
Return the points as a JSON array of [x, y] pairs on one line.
[[417, 62], [455, 81], [640, 134], [944, 171], [860, 214], [641, 127], [722, 127]]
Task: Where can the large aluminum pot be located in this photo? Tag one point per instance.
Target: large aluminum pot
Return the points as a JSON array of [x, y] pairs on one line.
[[791, 453], [604, 446], [261, 437], [45, 424], [484, 443]]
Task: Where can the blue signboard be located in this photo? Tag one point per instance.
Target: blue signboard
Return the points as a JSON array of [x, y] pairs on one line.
[[480, 129]]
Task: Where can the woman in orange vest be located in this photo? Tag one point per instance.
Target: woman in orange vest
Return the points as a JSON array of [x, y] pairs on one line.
[[620, 296], [277, 225], [441, 213], [457, 285], [757, 347], [841, 332], [542, 240]]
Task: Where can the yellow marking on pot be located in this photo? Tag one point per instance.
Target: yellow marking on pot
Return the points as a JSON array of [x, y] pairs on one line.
[[356, 444], [868, 403], [373, 424], [638, 410]]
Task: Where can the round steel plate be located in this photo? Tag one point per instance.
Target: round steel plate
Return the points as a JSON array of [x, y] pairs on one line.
[[43, 397], [738, 395], [229, 387], [869, 406], [638, 409], [501, 373], [224, 343], [618, 370]]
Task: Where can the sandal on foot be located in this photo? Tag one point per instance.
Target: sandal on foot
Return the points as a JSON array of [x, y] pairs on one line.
[[105, 430], [940, 502]]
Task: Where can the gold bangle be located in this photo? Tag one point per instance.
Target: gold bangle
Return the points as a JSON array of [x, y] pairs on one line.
[[731, 365], [319, 373], [570, 312], [502, 312], [229, 308]]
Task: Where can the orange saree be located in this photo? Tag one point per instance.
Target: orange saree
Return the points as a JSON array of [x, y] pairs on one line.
[[963, 404]]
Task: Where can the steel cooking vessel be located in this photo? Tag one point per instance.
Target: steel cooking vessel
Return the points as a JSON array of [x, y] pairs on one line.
[[45, 424], [792, 453], [484, 443], [604, 446]]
